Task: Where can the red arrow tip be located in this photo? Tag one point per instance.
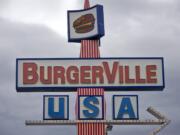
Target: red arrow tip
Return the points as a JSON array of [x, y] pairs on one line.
[[86, 4]]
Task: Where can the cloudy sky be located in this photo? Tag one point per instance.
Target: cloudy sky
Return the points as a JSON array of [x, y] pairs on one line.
[[134, 28]]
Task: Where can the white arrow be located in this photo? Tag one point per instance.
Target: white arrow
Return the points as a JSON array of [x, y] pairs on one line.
[[161, 120], [159, 116]]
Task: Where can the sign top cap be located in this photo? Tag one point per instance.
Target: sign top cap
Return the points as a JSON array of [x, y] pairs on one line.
[[86, 4]]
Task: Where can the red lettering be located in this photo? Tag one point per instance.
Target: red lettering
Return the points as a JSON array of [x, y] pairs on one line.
[[30, 75], [59, 72], [138, 75], [48, 79], [127, 77], [97, 72], [121, 75], [85, 74], [151, 73], [72, 75], [110, 75]]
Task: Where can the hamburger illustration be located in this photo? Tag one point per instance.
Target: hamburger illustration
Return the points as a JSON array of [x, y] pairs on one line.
[[84, 23]]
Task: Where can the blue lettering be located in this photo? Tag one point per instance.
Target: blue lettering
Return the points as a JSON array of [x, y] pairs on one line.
[[90, 103], [126, 108], [52, 113]]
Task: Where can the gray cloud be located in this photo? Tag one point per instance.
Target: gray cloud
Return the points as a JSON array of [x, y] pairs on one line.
[[133, 29], [18, 40]]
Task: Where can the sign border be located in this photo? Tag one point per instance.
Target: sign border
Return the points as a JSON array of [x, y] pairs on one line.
[[113, 107], [106, 88], [55, 96], [91, 96], [101, 31]]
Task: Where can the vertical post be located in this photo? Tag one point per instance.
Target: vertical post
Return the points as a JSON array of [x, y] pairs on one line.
[[86, 4], [89, 49]]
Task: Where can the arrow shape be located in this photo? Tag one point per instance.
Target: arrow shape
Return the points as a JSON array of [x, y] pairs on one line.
[[159, 116], [111, 122], [161, 120]]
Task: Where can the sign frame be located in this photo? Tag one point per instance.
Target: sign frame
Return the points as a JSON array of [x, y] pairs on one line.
[[103, 115], [55, 96], [100, 18], [113, 107], [106, 88]]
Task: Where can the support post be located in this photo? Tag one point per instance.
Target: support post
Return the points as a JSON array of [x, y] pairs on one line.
[[89, 49]]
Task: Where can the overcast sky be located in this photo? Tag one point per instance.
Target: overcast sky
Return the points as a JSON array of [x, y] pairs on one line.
[[134, 28]]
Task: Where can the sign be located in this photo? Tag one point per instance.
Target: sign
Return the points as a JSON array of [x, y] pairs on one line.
[[85, 24], [56, 107], [90, 108], [125, 107], [68, 74]]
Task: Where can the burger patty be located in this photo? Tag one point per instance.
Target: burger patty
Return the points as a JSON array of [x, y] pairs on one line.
[[83, 20], [84, 25], [85, 28]]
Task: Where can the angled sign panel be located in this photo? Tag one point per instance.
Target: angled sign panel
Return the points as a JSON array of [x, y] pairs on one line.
[[68, 74], [85, 24]]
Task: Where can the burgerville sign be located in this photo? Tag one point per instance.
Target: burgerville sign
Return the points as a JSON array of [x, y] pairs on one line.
[[90, 77], [68, 74]]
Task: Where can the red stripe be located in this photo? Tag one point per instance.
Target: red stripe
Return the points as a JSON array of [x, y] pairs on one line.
[[86, 4], [89, 49], [91, 128]]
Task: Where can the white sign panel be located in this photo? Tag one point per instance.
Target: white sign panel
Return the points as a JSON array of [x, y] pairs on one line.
[[56, 107], [68, 74], [125, 107], [85, 24], [90, 108]]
